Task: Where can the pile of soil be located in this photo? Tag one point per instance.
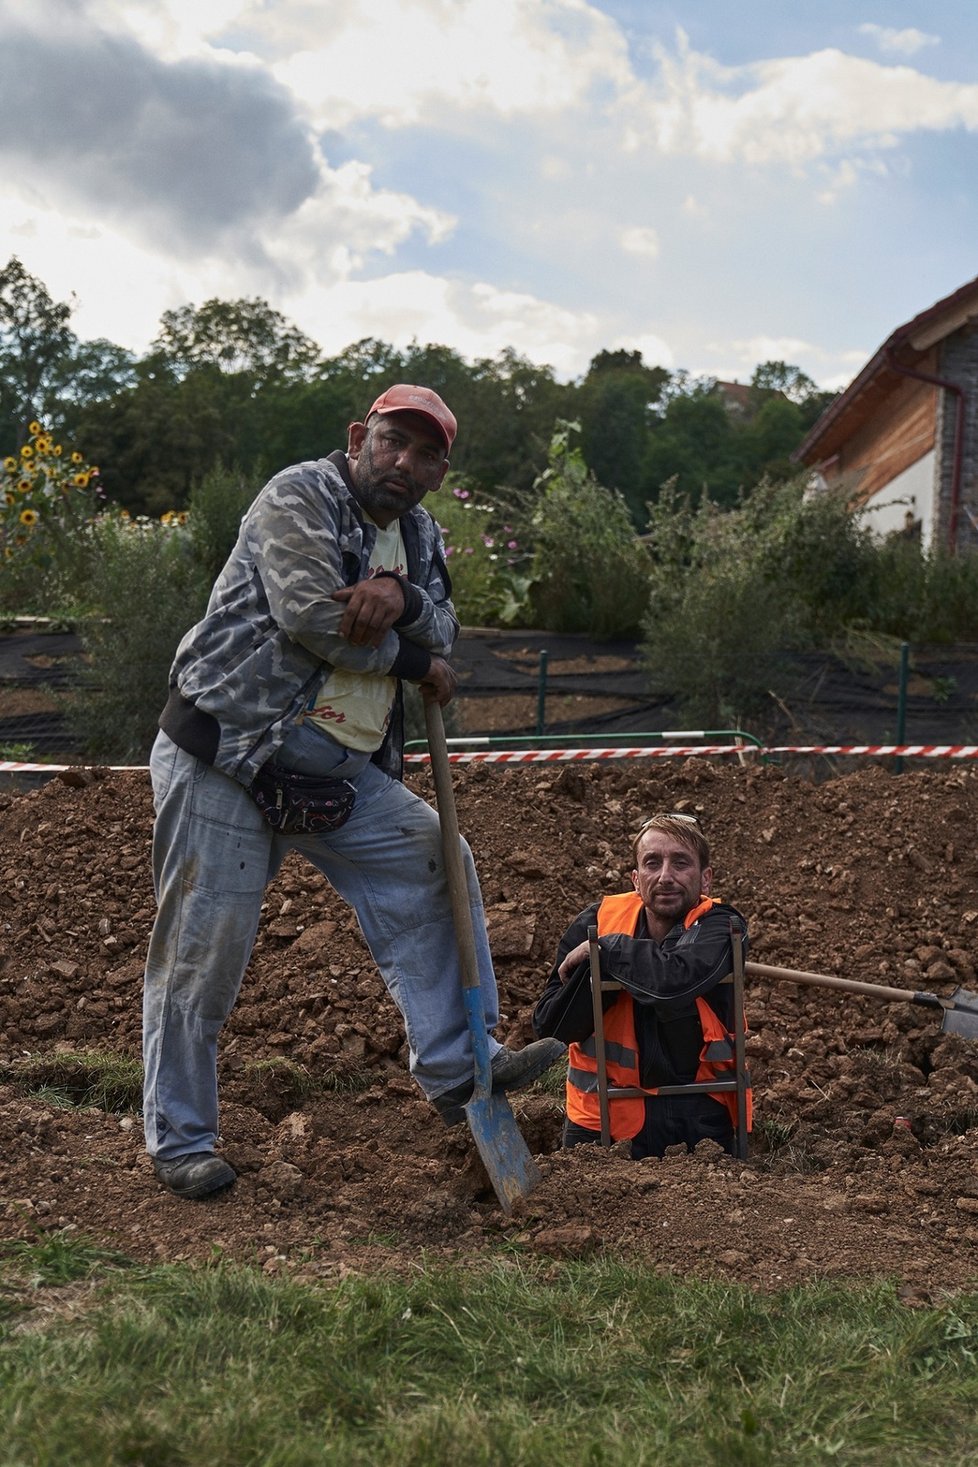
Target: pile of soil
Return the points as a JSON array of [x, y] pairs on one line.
[[343, 1165]]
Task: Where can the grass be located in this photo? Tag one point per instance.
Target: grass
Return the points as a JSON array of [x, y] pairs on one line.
[[519, 1364], [67, 1078]]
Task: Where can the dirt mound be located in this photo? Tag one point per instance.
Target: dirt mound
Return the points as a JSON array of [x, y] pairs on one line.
[[343, 1165]]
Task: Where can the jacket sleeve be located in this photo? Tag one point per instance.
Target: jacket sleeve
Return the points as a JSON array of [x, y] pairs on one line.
[[678, 969], [565, 1010], [429, 618], [292, 537]]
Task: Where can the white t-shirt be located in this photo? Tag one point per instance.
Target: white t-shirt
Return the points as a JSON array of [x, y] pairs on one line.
[[355, 707]]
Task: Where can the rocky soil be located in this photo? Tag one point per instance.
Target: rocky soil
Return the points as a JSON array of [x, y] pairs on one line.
[[871, 875]]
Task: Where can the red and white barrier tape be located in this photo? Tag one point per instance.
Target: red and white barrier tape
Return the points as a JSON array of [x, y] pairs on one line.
[[567, 756]]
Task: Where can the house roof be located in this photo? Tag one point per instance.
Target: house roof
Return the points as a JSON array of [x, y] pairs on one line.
[[736, 395], [907, 346]]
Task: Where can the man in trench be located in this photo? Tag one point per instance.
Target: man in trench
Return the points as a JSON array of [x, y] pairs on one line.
[[668, 943]]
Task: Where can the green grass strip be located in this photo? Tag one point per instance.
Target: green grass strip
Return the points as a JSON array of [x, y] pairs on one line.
[[517, 1365]]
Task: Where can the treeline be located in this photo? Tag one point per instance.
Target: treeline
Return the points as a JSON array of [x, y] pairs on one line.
[[235, 384]]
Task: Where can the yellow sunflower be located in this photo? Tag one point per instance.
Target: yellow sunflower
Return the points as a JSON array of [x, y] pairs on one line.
[[29, 516]]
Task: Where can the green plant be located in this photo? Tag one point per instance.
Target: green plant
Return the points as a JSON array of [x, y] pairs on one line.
[[111, 1082], [60, 1257], [217, 503], [485, 554], [590, 572], [733, 591], [148, 588], [21, 753], [47, 499]]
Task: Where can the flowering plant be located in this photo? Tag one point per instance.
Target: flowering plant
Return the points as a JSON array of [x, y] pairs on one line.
[[485, 555], [46, 495]]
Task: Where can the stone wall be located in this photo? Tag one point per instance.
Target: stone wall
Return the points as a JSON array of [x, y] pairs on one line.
[[959, 364]]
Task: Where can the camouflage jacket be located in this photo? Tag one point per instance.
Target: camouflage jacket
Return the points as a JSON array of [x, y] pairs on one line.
[[241, 677]]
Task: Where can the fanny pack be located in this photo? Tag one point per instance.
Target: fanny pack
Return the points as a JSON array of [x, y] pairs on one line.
[[302, 804]]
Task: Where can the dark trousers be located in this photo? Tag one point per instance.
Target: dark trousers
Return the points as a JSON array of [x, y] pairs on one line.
[[670, 1120]]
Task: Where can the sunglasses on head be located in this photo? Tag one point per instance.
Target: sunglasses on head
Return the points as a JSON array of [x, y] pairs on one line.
[[669, 815]]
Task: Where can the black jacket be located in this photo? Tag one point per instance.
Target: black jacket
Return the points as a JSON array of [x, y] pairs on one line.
[[663, 979]]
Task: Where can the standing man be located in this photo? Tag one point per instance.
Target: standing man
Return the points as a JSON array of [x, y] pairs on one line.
[[667, 942], [284, 730]]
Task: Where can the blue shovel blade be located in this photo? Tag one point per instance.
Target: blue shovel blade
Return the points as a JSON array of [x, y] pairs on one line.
[[505, 1154]]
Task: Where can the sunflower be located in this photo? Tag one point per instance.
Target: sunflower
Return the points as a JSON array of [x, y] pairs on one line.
[[26, 451], [29, 517], [34, 428], [10, 464], [80, 481], [76, 457]]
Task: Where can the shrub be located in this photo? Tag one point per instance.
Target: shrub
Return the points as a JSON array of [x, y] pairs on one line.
[[926, 596], [217, 503], [149, 589], [733, 591], [47, 502], [590, 572], [485, 554], [715, 626]]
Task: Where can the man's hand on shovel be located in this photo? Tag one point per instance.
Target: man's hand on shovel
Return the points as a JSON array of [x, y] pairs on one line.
[[439, 682]]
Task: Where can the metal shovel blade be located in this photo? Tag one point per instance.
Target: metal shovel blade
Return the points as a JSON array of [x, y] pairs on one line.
[[505, 1155], [962, 1017]]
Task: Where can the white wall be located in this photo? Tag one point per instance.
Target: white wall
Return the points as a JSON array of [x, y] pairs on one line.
[[913, 489]]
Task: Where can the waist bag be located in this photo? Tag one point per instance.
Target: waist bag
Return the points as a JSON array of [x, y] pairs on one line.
[[302, 804]]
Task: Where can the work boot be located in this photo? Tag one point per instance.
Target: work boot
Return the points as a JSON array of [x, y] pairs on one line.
[[199, 1174], [511, 1069]]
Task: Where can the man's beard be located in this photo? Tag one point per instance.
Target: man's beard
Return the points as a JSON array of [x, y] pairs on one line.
[[373, 493]]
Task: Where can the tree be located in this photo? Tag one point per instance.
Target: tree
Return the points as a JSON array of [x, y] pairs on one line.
[[35, 340], [241, 338], [616, 405], [693, 445], [506, 427], [590, 572], [792, 383]]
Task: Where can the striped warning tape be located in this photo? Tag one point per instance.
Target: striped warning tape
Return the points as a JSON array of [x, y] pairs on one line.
[[567, 756]]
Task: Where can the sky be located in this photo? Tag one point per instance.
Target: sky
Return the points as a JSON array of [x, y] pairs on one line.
[[714, 183]]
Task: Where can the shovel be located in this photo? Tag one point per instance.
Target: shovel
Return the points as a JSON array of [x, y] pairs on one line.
[[505, 1154], [960, 1011]]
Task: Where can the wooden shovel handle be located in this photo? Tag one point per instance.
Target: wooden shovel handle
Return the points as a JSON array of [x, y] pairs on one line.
[[458, 890], [848, 985]]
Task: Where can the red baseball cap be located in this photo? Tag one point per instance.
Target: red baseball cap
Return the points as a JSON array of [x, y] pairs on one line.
[[403, 398]]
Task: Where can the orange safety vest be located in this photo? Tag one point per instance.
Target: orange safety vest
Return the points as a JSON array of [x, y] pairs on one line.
[[627, 1116]]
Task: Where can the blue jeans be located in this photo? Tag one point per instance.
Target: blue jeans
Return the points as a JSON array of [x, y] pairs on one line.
[[213, 856]]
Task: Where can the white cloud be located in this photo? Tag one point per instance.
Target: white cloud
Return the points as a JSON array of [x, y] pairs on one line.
[[766, 349], [171, 29], [407, 61], [792, 110], [655, 352], [640, 240], [478, 320], [899, 43]]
